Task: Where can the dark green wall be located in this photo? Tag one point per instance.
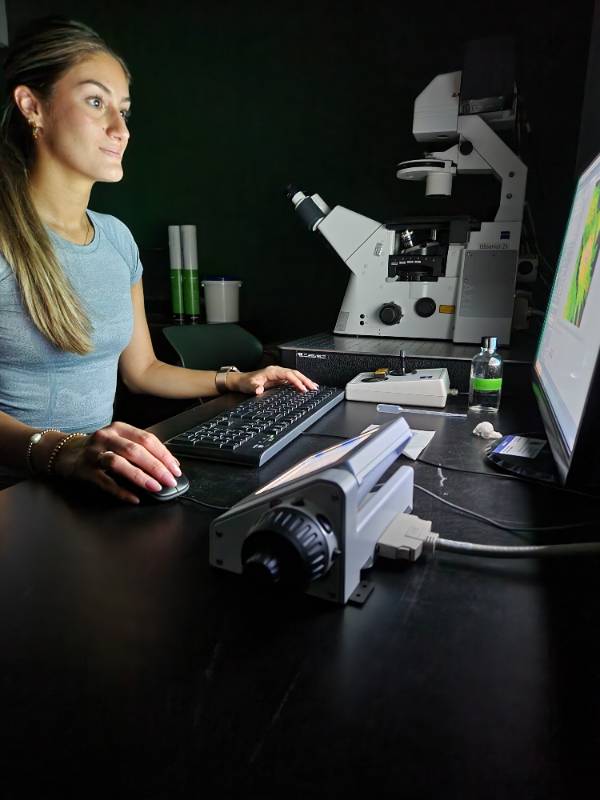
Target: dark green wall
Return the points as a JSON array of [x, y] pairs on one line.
[[234, 100]]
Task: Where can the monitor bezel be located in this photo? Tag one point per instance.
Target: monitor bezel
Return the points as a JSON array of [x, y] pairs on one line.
[[575, 466]]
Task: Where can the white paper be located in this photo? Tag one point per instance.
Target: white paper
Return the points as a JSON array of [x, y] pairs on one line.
[[418, 443]]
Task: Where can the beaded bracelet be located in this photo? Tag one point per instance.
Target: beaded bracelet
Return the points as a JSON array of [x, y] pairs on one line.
[[58, 448], [34, 439]]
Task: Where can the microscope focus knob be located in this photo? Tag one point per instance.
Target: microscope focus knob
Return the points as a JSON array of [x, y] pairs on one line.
[[286, 547], [425, 307], [390, 313]]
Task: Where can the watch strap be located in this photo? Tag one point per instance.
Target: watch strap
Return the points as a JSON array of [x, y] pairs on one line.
[[221, 378]]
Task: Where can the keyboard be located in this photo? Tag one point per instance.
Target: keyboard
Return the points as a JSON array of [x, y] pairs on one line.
[[258, 428]]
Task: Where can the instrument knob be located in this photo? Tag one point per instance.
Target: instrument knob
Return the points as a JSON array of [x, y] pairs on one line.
[[287, 547], [390, 313], [425, 307]]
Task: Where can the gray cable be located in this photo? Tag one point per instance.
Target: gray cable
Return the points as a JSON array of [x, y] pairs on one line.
[[536, 551]]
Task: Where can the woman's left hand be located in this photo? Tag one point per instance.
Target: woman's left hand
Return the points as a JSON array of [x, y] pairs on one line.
[[260, 380]]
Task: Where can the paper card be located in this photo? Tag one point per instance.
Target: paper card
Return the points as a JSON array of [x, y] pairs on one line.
[[418, 443]]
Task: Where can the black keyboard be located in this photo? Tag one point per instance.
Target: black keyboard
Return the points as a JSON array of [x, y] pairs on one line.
[[258, 428]]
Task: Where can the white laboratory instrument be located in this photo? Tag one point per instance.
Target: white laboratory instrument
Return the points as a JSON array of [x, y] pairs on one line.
[[422, 387], [315, 527], [450, 278]]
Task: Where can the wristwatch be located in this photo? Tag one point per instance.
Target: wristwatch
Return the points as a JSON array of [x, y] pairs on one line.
[[221, 378]]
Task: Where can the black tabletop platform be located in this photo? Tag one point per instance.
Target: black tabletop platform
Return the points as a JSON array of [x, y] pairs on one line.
[[520, 351], [129, 666], [335, 360]]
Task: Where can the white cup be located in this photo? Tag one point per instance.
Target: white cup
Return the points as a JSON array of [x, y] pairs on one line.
[[222, 299]]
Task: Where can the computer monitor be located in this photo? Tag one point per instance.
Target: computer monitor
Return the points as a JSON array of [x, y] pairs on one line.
[[566, 370]]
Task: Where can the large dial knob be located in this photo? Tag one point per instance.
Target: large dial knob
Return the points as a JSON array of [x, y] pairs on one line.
[[390, 313], [286, 546]]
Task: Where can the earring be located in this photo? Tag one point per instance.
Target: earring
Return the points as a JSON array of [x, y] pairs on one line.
[[35, 129]]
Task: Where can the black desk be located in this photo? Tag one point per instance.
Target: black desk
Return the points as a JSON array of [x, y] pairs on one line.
[[128, 666]]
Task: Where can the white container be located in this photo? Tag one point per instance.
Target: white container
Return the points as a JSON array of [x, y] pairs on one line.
[[222, 298]]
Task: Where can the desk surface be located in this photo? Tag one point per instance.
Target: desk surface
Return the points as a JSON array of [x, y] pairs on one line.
[[129, 665]]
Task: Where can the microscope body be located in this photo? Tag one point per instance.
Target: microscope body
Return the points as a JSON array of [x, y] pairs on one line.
[[449, 278], [463, 290]]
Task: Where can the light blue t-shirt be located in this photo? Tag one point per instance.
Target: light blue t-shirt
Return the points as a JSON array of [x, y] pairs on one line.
[[45, 387]]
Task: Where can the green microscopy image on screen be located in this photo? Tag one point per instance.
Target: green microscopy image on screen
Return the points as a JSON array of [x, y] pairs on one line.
[[581, 280]]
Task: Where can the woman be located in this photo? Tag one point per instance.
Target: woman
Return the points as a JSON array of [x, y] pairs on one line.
[[71, 298]]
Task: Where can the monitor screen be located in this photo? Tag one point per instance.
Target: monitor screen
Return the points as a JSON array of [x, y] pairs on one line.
[[566, 360]]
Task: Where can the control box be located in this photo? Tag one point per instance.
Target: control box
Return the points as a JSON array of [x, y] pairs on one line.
[[421, 387]]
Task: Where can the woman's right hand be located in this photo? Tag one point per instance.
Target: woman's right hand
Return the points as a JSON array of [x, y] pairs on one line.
[[127, 452]]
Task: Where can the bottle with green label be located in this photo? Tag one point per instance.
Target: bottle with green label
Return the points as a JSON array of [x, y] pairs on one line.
[[485, 387]]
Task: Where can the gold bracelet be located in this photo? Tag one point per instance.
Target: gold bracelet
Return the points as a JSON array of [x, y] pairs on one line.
[[58, 448], [34, 439]]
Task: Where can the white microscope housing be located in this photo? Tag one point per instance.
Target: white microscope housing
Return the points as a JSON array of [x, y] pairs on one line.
[[450, 278]]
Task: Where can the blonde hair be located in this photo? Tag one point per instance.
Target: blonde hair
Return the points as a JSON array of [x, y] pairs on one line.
[[38, 58]]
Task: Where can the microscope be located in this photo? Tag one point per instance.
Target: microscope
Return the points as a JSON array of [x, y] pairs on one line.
[[449, 278]]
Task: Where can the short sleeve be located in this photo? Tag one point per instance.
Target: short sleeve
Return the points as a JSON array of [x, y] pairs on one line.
[[136, 269], [122, 240]]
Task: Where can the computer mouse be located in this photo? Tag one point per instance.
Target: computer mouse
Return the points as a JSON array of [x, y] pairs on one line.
[[167, 492], [164, 494]]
